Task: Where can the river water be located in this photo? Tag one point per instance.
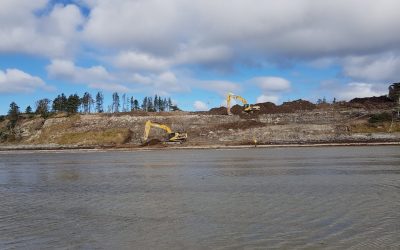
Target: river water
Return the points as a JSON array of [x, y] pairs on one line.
[[329, 197]]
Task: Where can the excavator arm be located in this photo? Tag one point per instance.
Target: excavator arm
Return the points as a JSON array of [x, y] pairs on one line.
[[172, 136], [247, 107]]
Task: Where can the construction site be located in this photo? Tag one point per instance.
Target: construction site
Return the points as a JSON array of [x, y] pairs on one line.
[[300, 122]]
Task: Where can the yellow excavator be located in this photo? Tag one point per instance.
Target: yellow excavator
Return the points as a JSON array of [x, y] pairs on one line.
[[248, 108], [173, 137]]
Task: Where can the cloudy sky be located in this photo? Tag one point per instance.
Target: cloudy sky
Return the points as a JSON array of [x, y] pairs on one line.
[[196, 51]]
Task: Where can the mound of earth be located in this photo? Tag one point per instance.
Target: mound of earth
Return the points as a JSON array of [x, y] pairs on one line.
[[267, 108], [298, 105], [151, 142], [372, 102], [218, 111]]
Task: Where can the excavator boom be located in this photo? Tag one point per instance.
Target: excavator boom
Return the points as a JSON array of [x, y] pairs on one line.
[[247, 107], [172, 136]]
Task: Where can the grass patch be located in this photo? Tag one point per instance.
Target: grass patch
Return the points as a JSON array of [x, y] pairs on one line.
[[376, 127], [380, 117]]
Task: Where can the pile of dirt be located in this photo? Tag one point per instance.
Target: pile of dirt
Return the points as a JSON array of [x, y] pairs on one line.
[[374, 99], [151, 142], [374, 102], [298, 105], [267, 108], [218, 111], [236, 109]]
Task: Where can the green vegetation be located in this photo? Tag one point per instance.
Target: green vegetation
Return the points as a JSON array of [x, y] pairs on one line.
[[381, 127], [381, 117], [13, 114]]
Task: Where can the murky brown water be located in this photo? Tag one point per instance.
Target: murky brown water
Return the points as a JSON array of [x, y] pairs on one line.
[[334, 197]]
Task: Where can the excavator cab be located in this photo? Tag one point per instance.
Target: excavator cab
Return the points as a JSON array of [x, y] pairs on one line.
[[173, 137], [248, 108], [177, 137]]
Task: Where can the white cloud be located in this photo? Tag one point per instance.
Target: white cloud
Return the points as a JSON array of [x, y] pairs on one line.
[[112, 87], [358, 89], [17, 81], [267, 98], [200, 106], [271, 83], [53, 33], [376, 68], [140, 61], [67, 70], [253, 28], [203, 56], [95, 77], [218, 86], [138, 78]]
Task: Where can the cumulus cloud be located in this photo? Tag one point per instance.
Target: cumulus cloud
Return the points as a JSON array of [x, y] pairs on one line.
[[253, 27], [267, 98], [95, 77], [50, 33], [140, 61], [200, 106], [112, 87], [271, 83], [218, 86], [148, 41], [17, 81], [355, 89], [375, 68], [67, 70]]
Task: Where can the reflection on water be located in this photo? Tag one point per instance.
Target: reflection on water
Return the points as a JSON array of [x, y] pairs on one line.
[[336, 197]]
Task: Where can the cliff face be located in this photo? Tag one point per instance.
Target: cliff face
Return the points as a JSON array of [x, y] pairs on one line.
[[204, 129]]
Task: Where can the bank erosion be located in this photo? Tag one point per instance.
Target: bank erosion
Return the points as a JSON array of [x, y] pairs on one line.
[[299, 122]]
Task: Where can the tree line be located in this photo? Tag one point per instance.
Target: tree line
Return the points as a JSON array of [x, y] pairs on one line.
[[89, 104]]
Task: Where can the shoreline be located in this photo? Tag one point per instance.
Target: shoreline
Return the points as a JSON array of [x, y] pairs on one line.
[[48, 148]]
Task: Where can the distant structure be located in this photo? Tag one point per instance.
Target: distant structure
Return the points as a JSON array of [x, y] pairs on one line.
[[394, 92], [394, 95]]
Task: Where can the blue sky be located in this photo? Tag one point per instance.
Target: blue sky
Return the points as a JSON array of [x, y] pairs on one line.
[[197, 51]]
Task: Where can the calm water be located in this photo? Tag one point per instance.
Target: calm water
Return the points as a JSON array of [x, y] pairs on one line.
[[334, 197]]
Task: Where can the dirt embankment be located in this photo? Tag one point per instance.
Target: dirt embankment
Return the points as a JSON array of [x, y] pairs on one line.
[[290, 123]]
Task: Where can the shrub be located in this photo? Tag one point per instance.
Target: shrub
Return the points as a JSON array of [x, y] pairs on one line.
[[381, 117]]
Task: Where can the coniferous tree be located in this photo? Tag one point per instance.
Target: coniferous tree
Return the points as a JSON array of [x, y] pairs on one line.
[[124, 103], [144, 104], [87, 102], [28, 110], [160, 104], [169, 104], [116, 103], [42, 107], [155, 104], [60, 103], [73, 103], [132, 104], [136, 105], [13, 114], [150, 105], [99, 102]]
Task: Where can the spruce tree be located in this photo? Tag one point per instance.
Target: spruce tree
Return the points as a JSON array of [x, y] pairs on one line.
[[42, 107], [116, 103], [99, 102], [13, 114], [28, 110]]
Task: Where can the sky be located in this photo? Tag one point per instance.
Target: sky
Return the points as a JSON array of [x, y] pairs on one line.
[[197, 51]]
